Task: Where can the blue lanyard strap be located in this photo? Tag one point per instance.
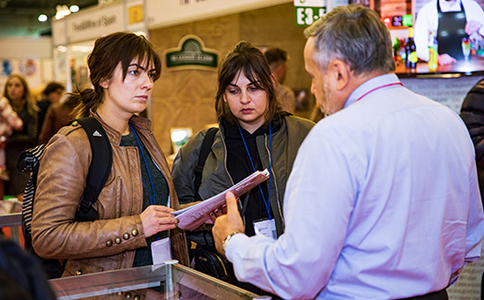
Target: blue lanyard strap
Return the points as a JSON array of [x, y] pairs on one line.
[[266, 203], [151, 194]]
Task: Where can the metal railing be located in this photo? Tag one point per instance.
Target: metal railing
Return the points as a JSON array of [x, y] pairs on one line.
[[13, 221]]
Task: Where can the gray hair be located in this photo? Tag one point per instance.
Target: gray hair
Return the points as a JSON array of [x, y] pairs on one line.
[[356, 35]]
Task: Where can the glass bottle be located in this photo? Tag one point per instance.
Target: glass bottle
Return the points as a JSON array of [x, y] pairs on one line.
[[433, 52], [410, 51]]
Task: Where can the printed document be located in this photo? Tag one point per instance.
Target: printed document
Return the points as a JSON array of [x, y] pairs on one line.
[[192, 217]]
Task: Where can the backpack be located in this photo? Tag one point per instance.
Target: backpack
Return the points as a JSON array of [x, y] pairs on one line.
[[99, 171]]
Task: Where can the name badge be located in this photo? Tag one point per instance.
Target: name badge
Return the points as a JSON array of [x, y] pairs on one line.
[[161, 251], [265, 227]]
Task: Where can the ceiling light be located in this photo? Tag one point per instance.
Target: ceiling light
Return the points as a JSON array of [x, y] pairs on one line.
[[62, 11], [42, 18], [74, 8]]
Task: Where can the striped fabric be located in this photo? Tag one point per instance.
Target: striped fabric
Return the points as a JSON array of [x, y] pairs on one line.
[[29, 162]]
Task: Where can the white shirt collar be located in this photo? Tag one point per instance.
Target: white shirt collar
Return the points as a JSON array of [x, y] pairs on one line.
[[369, 85]]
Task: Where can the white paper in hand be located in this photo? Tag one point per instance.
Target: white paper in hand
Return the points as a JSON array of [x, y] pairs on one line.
[[192, 217]]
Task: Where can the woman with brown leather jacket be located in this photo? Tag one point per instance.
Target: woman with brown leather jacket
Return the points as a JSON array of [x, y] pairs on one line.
[[135, 204]]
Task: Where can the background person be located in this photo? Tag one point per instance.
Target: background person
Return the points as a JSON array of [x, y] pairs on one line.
[[52, 93], [278, 62], [472, 112], [9, 122], [57, 116], [380, 203], [134, 205], [254, 135], [18, 94], [450, 21]]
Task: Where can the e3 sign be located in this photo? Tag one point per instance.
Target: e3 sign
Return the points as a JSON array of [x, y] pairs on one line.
[[308, 11]]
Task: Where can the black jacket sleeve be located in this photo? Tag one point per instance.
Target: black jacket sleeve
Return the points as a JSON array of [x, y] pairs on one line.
[[472, 112]]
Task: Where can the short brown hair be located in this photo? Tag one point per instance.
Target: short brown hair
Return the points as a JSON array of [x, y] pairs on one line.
[[276, 56], [108, 52]]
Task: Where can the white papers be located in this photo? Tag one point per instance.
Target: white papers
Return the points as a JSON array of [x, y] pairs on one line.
[[160, 251], [192, 217]]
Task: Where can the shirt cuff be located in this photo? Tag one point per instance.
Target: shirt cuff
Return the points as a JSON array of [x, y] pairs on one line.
[[233, 243], [481, 31]]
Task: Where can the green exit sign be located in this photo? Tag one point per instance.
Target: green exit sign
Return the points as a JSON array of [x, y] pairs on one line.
[[306, 16]]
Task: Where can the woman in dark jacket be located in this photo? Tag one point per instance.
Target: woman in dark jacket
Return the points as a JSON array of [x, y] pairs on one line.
[[18, 94], [254, 134], [472, 112]]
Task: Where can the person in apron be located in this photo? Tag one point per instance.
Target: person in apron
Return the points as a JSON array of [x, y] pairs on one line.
[[449, 21], [450, 31]]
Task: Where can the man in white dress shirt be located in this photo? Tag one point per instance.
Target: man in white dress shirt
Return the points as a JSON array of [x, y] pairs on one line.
[[450, 21], [383, 200]]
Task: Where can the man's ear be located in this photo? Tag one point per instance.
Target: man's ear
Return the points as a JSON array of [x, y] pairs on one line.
[[104, 83], [273, 78], [342, 74]]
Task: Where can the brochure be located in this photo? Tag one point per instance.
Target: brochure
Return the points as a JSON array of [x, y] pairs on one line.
[[192, 217]]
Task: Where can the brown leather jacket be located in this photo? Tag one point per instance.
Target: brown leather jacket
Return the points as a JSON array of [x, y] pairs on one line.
[[109, 243]]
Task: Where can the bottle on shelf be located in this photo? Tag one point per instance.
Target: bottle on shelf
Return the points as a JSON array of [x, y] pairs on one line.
[[410, 51], [433, 52], [396, 49]]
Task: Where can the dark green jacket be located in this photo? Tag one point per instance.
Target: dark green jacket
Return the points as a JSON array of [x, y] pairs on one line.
[[216, 177]]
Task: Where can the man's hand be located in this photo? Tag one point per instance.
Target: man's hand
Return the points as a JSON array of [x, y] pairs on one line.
[[445, 59], [472, 26], [228, 223]]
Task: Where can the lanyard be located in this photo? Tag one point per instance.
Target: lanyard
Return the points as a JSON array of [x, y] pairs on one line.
[[377, 88], [151, 194], [266, 203]]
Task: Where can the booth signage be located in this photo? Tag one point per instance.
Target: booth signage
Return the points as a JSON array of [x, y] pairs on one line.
[[135, 14], [190, 54], [309, 11], [102, 21], [171, 12], [309, 3], [94, 23], [306, 16]]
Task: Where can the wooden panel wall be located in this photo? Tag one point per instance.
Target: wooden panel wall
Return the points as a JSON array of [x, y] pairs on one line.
[[186, 98], [275, 27]]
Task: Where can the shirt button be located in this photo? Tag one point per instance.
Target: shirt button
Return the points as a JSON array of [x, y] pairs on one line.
[[137, 297], [75, 123], [126, 236], [78, 272], [134, 232], [117, 240], [109, 243], [127, 296]]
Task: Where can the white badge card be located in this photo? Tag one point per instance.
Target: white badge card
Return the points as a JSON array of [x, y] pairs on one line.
[[265, 227], [160, 251]]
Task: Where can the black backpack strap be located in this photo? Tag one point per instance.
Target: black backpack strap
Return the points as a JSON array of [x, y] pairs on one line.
[[99, 169], [202, 157]]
